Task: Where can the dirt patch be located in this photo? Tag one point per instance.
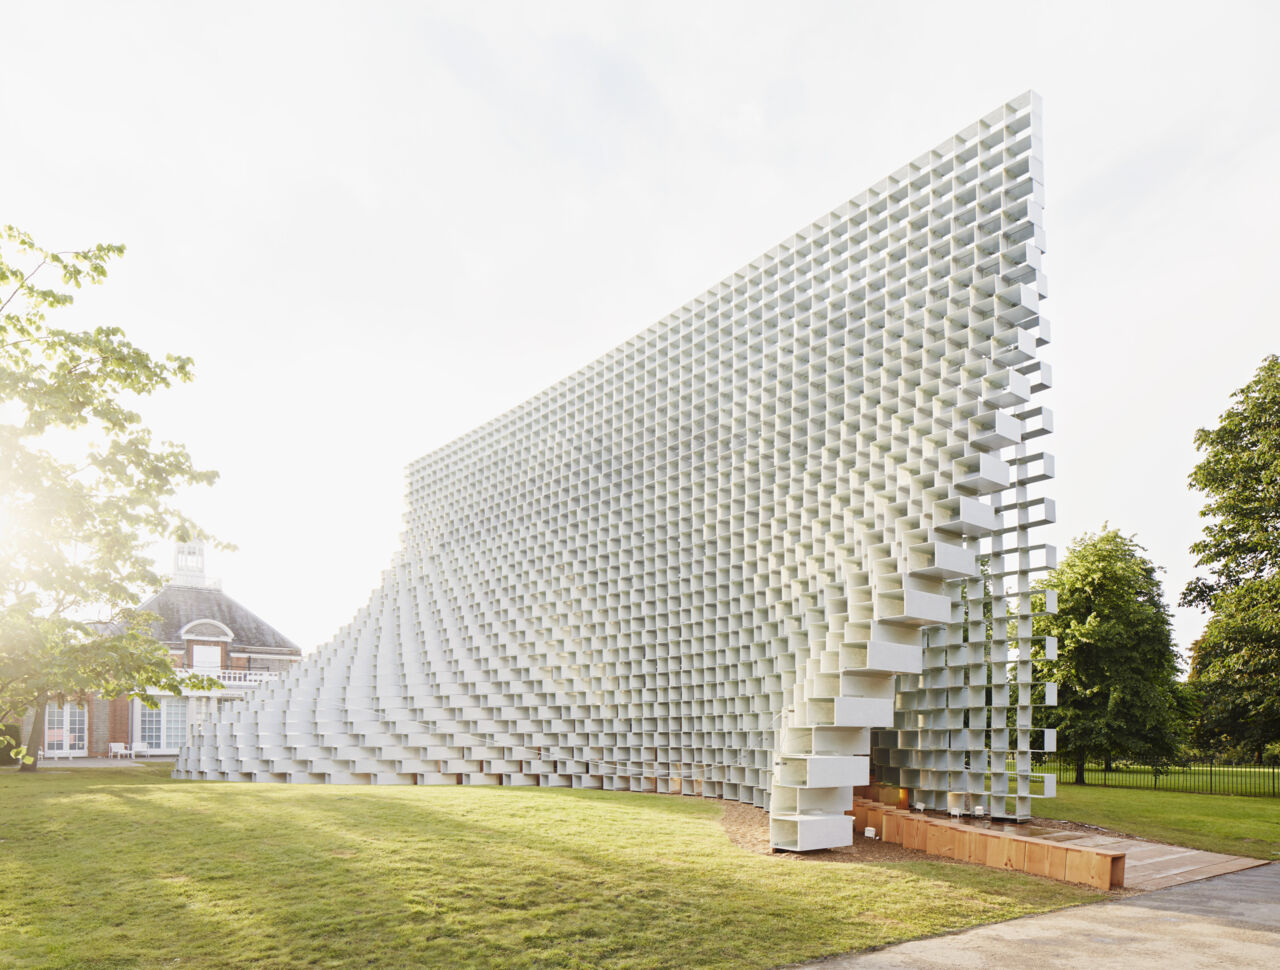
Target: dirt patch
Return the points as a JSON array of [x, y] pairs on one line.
[[748, 828]]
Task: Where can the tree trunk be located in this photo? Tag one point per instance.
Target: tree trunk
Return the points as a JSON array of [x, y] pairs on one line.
[[35, 737], [1080, 771]]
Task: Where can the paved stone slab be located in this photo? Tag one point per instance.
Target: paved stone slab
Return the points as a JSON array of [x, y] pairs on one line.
[[1227, 921], [1071, 837], [58, 764], [1098, 841]]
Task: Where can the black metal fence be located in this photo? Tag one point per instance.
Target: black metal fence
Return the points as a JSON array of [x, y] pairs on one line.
[[1203, 777]]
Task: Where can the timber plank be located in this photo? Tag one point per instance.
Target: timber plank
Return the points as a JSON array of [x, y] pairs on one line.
[[1057, 861], [1037, 858], [1091, 860], [892, 828]]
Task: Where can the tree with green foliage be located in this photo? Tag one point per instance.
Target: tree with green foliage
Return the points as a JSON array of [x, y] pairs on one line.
[[1236, 663], [1235, 667], [85, 490], [1117, 666]]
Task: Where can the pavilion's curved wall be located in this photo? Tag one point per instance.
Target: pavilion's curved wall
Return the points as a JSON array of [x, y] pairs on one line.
[[714, 560]]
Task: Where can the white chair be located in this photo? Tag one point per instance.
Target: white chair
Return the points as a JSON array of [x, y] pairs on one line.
[[139, 748], [117, 749]]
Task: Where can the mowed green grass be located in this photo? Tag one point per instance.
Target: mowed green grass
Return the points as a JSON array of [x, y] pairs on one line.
[[116, 868], [1215, 823]]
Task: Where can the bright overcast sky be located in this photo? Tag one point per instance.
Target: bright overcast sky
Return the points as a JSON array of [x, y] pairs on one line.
[[375, 225]]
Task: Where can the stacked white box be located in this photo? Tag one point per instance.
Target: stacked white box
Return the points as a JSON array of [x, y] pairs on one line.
[[714, 560]]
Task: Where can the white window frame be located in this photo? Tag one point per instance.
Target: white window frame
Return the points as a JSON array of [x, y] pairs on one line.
[[205, 651], [66, 714], [167, 733], [174, 724], [151, 726]]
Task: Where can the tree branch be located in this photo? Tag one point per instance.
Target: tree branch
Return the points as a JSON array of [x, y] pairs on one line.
[[25, 284]]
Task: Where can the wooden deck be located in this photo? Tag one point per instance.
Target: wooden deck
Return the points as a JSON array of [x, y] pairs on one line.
[[1154, 865], [1102, 861]]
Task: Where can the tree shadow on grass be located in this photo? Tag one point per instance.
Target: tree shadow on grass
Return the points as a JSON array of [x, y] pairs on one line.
[[262, 875]]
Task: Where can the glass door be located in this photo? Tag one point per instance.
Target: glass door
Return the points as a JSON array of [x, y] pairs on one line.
[[164, 728], [65, 729]]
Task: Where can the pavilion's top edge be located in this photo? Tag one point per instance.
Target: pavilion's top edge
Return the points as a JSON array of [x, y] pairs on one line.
[[1019, 116]]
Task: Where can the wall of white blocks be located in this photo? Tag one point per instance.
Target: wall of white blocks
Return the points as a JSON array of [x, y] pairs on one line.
[[740, 555]]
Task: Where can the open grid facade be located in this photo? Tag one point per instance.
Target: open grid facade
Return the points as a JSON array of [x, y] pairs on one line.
[[785, 531]]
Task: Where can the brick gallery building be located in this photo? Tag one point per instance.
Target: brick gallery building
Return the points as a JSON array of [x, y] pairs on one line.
[[206, 632]]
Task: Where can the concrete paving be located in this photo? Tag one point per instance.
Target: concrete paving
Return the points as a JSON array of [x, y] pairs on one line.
[[1225, 921], [56, 764]]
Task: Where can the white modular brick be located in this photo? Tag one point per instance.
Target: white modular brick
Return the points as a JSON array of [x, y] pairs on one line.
[[730, 558]]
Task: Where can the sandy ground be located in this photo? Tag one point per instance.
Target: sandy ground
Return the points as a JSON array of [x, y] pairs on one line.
[[748, 828]]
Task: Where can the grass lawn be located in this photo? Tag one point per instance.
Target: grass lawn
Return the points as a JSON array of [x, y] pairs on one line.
[[1202, 779], [1216, 823], [116, 868]]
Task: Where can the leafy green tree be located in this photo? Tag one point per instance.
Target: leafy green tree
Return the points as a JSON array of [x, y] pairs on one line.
[[85, 490], [1240, 475], [1236, 666], [1117, 666], [1236, 663]]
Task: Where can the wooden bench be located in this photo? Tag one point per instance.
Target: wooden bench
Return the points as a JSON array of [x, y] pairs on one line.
[[1099, 868]]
